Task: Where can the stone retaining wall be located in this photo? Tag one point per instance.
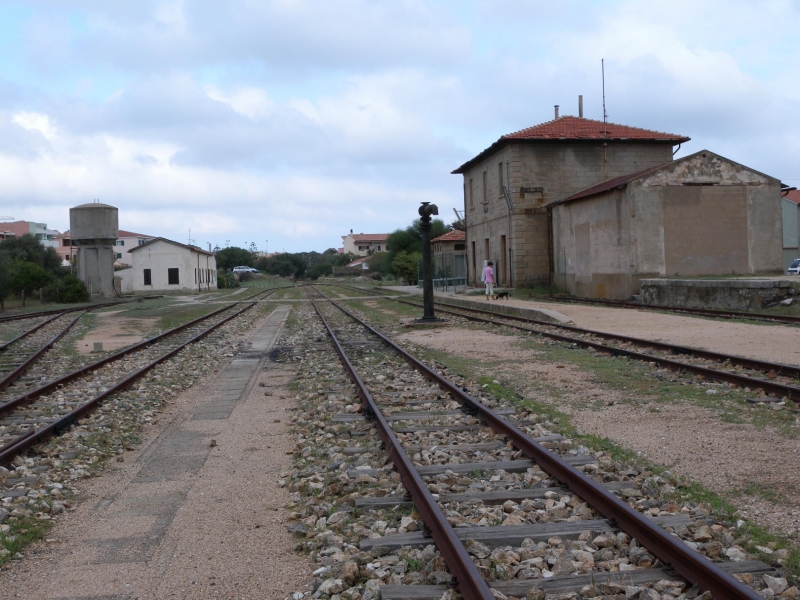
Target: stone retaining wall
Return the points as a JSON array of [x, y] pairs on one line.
[[729, 294]]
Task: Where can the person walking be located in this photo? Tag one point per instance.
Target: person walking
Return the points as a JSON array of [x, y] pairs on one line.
[[488, 279]]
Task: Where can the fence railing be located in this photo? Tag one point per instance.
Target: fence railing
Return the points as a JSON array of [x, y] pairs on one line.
[[449, 272]]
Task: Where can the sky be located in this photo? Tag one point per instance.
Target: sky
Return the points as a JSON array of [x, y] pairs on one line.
[[287, 123]]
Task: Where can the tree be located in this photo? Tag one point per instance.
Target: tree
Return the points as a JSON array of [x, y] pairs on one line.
[[68, 289], [26, 277], [409, 240], [380, 262], [5, 280], [253, 250], [228, 258], [405, 265], [27, 248]]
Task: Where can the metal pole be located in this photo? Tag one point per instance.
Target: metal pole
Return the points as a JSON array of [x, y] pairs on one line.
[[425, 211]]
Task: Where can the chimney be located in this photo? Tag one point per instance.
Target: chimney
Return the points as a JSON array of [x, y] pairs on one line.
[[556, 111], [580, 106], [209, 246], [351, 232]]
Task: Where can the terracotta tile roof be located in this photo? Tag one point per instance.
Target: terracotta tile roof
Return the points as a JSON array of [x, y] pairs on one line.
[[609, 185], [451, 236], [357, 262], [576, 128], [793, 196], [368, 237], [123, 233]]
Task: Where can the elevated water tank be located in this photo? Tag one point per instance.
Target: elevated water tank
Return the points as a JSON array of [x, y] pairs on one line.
[[94, 228]]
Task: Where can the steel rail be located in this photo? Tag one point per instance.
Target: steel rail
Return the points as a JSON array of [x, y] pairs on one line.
[[743, 361], [32, 437], [468, 579], [790, 391], [61, 311], [671, 551], [708, 312], [28, 332], [18, 372], [51, 385]]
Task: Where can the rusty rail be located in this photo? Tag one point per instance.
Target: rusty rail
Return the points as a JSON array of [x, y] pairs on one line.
[[468, 579], [17, 373], [706, 312], [790, 391], [671, 551], [61, 311], [32, 437]]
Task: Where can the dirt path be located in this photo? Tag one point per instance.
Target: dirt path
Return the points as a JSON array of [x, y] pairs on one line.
[[690, 440], [114, 332], [194, 513]]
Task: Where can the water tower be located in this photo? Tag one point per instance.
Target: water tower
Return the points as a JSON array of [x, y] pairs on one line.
[[94, 228]]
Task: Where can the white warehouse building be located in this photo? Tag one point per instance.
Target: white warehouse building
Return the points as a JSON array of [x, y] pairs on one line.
[[162, 265]]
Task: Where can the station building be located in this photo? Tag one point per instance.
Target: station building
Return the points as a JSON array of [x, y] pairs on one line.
[[162, 265], [529, 209]]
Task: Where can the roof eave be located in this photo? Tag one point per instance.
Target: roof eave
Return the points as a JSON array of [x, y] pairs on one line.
[[504, 141]]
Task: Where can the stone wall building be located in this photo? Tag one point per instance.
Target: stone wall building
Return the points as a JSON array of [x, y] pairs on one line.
[[699, 215], [451, 242], [538, 166]]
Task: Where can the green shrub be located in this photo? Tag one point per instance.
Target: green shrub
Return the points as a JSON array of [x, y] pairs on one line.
[[69, 289]]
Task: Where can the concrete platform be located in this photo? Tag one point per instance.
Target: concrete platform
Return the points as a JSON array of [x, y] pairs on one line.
[[517, 308], [724, 294]]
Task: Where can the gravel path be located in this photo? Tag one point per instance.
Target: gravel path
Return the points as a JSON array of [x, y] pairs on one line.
[[193, 513]]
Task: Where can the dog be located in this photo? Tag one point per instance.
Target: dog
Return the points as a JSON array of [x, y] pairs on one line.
[[501, 295]]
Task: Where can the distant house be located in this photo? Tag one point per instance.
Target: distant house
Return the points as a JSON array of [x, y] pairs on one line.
[[126, 240], [452, 241], [359, 263], [38, 230], [790, 209], [162, 265], [362, 244]]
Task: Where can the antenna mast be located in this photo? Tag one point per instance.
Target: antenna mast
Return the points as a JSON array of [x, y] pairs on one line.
[[605, 121]]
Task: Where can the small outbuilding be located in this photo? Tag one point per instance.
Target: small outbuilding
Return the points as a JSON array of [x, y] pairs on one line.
[[791, 226], [162, 265], [699, 215]]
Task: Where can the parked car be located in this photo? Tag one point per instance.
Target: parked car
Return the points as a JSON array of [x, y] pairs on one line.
[[244, 270], [794, 268]]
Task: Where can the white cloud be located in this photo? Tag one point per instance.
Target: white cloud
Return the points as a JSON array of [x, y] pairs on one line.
[[33, 121], [251, 102]]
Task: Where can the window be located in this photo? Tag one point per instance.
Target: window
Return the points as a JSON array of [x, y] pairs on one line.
[[195, 275], [485, 196], [471, 198], [458, 247], [473, 257], [119, 254], [500, 181], [119, 243], [142, 242], [147, 279], [173, 277], [379, 248]]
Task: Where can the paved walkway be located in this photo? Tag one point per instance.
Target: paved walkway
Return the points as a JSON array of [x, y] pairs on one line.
[[197, 514]]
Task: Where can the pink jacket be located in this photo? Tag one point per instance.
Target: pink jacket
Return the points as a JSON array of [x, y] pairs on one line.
[[488, 275]]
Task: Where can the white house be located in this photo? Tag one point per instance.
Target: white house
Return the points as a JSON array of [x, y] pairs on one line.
[[162, 265], [126, 241], [361, 244]]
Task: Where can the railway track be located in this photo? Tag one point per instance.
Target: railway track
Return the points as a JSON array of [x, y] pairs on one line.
[[61, 311], [464, 466], [702, 312], [17, 355], [57, 403], [779, 382]]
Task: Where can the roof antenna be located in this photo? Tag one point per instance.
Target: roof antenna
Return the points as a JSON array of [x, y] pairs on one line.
[[605, 121], [605, 114]]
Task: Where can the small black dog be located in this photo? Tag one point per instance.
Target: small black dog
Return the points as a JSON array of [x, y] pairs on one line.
[[501, 295]]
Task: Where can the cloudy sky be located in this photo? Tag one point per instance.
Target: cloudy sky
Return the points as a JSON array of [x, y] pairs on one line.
[[295, 121]]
